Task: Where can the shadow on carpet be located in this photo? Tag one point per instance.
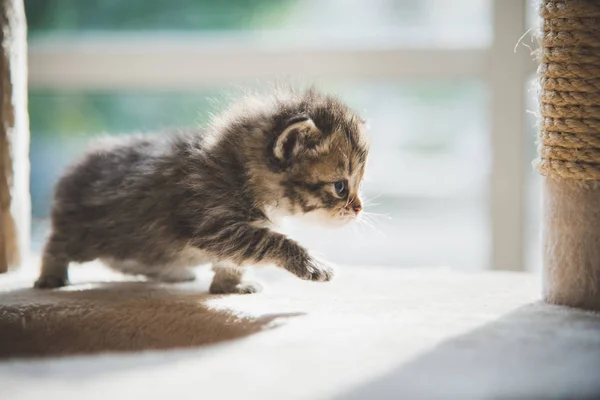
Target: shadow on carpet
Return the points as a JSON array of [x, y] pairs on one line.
[[538, 351], [117, 316]]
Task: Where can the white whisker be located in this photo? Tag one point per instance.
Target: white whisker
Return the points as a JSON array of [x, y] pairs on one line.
[[367, 199], [372, 214], [371, 204], [367, 223]]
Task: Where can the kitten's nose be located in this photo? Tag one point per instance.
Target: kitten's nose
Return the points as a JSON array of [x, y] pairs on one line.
[[356, 205]]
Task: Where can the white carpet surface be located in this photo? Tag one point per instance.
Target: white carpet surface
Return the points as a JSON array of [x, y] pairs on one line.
[[372, 333]]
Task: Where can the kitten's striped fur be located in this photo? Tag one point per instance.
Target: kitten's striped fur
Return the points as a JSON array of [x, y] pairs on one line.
[[155, 205]]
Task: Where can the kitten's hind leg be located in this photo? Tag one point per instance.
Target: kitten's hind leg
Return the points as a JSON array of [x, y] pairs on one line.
[[55, 264], [228, 279]]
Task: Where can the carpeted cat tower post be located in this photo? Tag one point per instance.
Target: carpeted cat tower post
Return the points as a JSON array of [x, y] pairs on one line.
[[569, 151], [15, 207]]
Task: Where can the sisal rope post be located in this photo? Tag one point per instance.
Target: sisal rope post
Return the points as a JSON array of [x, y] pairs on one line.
[[569, 150]]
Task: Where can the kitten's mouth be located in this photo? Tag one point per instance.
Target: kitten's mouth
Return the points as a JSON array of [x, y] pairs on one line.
[[348, 216], [330, 218]]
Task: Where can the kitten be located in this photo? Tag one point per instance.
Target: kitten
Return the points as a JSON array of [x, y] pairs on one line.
[[157, 205]]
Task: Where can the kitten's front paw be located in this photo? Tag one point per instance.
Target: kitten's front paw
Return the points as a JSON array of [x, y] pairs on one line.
[[316, 270]]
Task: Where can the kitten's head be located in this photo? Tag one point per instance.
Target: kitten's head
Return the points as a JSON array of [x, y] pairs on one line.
[[318, 152]]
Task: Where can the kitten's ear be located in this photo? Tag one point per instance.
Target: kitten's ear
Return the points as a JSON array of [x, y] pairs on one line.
[[289, 143]]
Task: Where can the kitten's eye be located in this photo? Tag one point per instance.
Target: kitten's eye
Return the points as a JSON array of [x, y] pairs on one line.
[[340, 188]]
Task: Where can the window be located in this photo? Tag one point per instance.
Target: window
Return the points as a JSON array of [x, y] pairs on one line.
[[416, 69]]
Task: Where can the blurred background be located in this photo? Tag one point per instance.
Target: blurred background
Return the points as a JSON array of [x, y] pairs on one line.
[[447, 166]]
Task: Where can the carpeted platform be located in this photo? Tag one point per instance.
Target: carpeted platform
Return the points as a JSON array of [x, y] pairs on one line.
[[372, 333]]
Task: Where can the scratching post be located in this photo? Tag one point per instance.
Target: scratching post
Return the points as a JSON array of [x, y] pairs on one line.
[[569, 152], [14, 135]]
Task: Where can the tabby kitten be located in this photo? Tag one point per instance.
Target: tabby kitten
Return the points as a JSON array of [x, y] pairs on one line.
[[157, 205]]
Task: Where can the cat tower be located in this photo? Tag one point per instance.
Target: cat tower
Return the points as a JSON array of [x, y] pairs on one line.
[[569, 151]]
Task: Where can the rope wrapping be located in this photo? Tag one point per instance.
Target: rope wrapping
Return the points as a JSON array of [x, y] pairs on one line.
[[569, 73]]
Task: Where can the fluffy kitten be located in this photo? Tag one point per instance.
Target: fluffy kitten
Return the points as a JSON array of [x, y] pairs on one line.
[[156, 205]]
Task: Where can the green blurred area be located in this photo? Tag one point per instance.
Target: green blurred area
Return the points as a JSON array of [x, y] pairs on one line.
[[61, 115], [56, 16]]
